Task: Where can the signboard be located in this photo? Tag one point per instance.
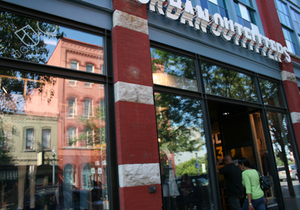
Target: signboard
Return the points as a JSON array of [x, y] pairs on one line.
[[219, 26]]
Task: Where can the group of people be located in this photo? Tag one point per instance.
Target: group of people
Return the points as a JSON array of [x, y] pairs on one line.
[[239, 177]]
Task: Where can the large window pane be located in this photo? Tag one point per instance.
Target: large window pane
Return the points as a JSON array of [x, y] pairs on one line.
[[40, 42], [270, 93], [173, 70], [183, 153], [34, 121], [222, 81], [285, 159]]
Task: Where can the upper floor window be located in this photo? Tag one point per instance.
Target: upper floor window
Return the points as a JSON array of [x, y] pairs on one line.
[[283, 14], [88, 107], [29, 138], [46, 138], [245, 13], [32, 40], [72, 108], [213, 6], [289, 40], [173, 70], [296, 18], [72, 136], [89, 68], [74, 65]]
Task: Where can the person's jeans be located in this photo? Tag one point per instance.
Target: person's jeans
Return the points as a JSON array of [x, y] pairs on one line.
[[258, 204], [234, 202]]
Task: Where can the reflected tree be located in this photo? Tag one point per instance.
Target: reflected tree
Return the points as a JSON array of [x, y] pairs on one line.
[[24, 38], [95, 128], [281, 143], [6, 144], [188, 167], [177, 119], [222, 81]]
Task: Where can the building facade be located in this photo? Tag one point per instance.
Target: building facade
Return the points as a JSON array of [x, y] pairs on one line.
[[116, 104]]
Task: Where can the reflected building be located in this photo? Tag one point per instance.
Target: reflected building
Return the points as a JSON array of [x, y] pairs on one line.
[[81, 117]]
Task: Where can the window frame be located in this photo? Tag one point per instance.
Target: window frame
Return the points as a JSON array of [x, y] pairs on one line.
[[105, 79], [33, 138], [43, 129]]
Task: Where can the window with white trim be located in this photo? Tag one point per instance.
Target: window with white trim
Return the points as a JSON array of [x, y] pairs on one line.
[[29, 135], [46, 138], [72, 107], [73, 65], [72, 136], [88, 107], [89, 68]]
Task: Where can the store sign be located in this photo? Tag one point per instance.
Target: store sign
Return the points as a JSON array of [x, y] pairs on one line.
[[200, 20]]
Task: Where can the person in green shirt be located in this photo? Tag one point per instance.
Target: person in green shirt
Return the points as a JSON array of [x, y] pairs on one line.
[[255, 198]]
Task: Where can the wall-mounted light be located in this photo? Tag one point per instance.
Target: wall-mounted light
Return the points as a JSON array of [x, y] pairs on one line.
[[226, 113]]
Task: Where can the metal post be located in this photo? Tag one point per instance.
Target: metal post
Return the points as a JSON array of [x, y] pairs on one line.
[[53, 170]]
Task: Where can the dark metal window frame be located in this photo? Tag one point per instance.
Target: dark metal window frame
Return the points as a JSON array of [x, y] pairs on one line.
[[203, 97], [106, 80]]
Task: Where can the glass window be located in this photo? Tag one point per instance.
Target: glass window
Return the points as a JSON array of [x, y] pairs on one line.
[[225, 82], [37, 41], [271, 93], [289, 40], [46, 138], [89, 67], [173, 70], [88, 107], [296, 18], [213, 6], [72, 108], [283, 14], [74, 65], [285, 159], [183, 152], [72, 136], [34, 116], [29, 138], [245, 15]]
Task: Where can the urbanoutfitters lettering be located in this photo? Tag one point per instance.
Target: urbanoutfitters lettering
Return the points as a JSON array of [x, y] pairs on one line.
[[217, 25]]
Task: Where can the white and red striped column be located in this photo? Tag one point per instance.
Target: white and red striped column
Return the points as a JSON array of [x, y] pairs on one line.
[[137, 145]]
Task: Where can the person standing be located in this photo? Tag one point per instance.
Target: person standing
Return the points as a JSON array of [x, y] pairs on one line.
[[233, 178], [255, 198]]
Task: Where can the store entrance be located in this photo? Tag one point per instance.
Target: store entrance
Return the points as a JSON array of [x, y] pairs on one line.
[[237, 131]]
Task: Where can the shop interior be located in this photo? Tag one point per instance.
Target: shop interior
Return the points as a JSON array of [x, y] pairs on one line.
[[237, 131]]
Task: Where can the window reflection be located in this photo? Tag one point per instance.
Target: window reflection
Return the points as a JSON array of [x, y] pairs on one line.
[[45, 130], [285, 160], [173, 70], [183, 153], [270, 93], [224, 82], [40, 42]]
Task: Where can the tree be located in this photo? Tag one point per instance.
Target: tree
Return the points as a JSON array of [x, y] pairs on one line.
[[94, 135], [188, 167], [23, 38]]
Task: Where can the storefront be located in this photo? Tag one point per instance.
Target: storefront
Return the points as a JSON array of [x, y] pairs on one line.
[[107, 105]]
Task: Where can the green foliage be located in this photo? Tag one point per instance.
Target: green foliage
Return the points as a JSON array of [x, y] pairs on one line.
[[189, 168], [94, 127]]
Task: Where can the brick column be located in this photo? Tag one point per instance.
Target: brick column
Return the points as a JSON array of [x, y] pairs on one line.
[[273, 30], [137, 145]]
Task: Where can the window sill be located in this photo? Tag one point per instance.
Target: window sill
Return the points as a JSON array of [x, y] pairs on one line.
[[28, 150]]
